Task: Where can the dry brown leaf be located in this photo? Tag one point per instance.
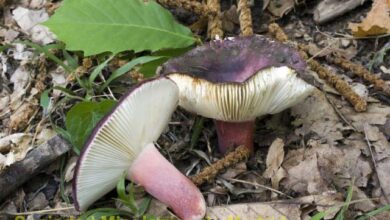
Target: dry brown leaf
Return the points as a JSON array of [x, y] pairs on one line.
[[274, 161], [377, 21], [317, 115], [18, 145], [305, 177], [311, 170], [280, 7], [284, 209], [366, 204]]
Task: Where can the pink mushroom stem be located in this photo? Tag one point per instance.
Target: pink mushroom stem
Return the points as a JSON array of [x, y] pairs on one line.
[[234, 134], [163, 181]]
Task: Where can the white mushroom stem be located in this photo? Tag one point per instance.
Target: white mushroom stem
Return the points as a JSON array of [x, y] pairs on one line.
[[163, 181]]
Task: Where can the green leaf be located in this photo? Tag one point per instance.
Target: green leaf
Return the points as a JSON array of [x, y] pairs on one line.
[[45, 100], [98, 69], [149, 68], [196, 131], [96, 26], [143, 206], [340, 215], [104, 213], [371, 214], [126, 68], [126, 199], [83, 117]]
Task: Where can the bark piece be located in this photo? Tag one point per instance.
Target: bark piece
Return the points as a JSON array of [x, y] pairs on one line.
[[36, 160], [330, 9]]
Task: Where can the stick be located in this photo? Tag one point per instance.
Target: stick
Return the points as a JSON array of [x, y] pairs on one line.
[[36, 160]]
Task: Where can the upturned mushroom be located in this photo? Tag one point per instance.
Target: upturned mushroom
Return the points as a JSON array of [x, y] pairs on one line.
[[235, 80], [122, 143]]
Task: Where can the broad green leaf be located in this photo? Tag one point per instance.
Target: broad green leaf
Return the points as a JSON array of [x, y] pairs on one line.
[[83, 117], [96, 26]]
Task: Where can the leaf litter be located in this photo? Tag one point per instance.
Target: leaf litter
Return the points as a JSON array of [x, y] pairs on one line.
[[326, 148]]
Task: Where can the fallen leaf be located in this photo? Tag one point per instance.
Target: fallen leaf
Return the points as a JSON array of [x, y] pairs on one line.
[[284, 209], [305, 176], [377, 21], [29, 21], [280, 7], [39, 202], [7, 142], [274, 161], [317, 115], [366, 204], [19, 145]]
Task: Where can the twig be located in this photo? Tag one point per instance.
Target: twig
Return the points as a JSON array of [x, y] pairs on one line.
[[210, 172], [245, 17], [338, 112], [373, 160], [39, 211], [262, 186], [36, 160]]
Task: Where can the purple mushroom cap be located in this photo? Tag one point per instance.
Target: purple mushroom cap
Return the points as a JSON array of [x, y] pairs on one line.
[[235, 60]]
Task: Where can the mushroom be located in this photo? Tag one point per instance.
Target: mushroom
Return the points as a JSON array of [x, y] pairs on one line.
[[235, 80], [122, 143]]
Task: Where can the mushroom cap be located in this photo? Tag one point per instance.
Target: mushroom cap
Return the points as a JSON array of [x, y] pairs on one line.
[[138, 120], [235, 60], [238, 80]]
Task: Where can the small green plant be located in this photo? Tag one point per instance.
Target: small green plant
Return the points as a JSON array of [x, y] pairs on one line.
[[128, 199], [344, 207], [82, 118]]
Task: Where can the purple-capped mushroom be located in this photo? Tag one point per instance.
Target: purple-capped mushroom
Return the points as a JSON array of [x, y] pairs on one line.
[[235, 80], [122, 143]]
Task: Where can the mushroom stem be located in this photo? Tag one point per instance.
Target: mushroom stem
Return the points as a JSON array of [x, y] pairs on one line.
[[163, 181], [233, 134]]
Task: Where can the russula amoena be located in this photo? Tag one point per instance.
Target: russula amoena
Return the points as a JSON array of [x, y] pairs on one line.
[[235, 80], [122, 143]]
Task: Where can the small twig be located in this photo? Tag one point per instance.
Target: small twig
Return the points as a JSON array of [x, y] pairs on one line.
[[338, 112], [245, 17], [39, 211], [210, 172], [262, 186], [373, 160]]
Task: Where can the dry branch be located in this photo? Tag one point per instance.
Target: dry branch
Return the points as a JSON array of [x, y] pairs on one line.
[[36, 160]]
